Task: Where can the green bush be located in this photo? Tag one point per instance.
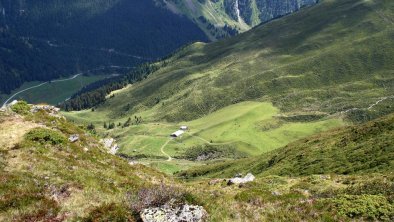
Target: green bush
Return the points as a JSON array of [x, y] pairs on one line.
[[45, 136], [209, 152], [372, 207], [21, 107]]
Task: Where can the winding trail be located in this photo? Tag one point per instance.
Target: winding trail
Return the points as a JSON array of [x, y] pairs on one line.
[[60, 80], [369, 107], [380, 100], [162, 150]]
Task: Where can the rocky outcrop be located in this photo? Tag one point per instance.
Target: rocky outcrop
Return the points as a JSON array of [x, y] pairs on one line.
[[110, 144], [167, 213], [241, 180], [51, 110], [266, 9]]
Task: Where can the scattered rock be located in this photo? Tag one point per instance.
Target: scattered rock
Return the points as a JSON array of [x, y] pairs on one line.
[[51, 110], [239, 180], [132, 162], [110, 144], [166, 213], [276, 193], [73, 138]]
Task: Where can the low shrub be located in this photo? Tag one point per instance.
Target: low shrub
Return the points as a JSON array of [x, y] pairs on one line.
[[209, 152], [155, 196], [45, 136], [21, 107], [372, 207]]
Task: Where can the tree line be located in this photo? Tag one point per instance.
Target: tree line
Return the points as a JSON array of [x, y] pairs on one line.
[[96, 93]]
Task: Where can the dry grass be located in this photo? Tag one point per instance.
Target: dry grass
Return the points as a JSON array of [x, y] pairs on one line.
[[12, 129]]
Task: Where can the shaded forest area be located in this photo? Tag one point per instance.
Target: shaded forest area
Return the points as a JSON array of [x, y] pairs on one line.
[[42, 39]]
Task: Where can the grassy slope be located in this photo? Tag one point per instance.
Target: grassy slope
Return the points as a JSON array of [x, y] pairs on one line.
[[53, 93], [365, 148], [44, 182], [250, 127], [63, 181], [329, 58], [308, 61]]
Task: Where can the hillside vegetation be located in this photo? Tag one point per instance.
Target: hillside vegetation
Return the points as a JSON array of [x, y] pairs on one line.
[[47, 178], [361, 149], [259, 91], [334, 57], [44, 177]]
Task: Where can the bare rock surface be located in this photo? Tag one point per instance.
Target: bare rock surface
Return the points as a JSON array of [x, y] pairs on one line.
[[241, 180], [166, 213]]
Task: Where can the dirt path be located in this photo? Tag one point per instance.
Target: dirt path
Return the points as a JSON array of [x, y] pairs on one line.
[[369, 107], [380, 100], [162, 150]]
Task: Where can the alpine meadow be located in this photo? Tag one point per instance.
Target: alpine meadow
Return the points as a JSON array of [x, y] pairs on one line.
[[197, 110]]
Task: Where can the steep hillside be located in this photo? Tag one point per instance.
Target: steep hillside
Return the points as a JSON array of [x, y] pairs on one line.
[[361, 149], [337, 61], [45, 177], [258, 91], [219, 18], [43, 40]]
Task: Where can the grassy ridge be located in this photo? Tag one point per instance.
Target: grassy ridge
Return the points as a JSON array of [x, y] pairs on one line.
[[362, 149]]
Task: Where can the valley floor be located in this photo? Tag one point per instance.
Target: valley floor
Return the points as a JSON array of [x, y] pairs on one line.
[[240, 130]]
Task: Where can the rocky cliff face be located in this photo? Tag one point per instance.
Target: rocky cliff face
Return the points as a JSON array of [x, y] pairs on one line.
[[264, 10], [221, 18]]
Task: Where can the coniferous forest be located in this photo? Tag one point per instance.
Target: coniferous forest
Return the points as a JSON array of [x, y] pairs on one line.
[[42, 40]]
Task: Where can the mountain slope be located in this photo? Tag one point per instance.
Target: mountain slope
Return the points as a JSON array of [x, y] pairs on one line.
[[323, 67], [43, 40], [360, 149], [45, 177], [337, 61]]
